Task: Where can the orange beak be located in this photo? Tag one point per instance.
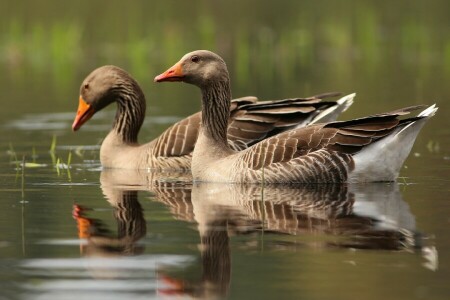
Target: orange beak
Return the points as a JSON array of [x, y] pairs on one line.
[[84, 113], [173, 74]]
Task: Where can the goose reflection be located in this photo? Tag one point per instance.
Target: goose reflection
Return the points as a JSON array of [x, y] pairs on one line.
[[370, 216], [361, 216], [373, 215], [120, 188], [131, 226]]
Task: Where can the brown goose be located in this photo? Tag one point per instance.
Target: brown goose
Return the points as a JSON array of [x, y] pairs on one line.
[[362, 150], [250, 121]]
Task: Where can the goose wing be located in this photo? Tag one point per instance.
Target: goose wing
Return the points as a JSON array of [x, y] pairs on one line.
[[179, 139], [347, 137], [255, 121]]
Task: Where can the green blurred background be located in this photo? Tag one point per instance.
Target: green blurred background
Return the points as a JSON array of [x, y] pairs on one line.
[[392, 53]]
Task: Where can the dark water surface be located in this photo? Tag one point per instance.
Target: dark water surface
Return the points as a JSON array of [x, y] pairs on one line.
[[86, 233]]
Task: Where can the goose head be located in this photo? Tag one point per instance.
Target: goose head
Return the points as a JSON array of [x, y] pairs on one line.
[[99, 89], [200, 68]]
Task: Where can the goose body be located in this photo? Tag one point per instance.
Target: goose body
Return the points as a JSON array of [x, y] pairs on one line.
[[250, 121], [363, 150]]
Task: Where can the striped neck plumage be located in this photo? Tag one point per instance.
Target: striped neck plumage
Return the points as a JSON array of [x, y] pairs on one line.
[[216, 99], [130, 112], [129, 216]]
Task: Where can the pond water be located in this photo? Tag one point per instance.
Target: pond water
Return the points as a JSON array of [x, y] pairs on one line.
[[70, 230]]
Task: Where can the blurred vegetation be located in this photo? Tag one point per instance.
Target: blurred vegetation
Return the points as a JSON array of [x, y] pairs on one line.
[[391, 53], [272, 41]]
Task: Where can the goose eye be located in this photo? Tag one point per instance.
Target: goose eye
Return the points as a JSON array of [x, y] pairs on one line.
[[195, 59], [86, 86]]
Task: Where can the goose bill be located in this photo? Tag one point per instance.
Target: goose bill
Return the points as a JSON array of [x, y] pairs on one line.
[[84, 113], [175, 73]]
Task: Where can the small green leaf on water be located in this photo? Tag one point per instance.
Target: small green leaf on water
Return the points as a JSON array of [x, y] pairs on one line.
[[34, 165]]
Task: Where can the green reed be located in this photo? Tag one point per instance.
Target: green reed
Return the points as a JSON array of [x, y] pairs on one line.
[[52, 150], [23, 178], [57, 162], [13, 156]]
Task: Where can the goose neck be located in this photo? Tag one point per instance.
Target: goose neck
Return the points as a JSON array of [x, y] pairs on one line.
[[130, 113], [216, 110]]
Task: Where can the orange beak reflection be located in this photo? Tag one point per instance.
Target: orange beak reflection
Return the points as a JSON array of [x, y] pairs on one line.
[[173, 74], [84, 113]]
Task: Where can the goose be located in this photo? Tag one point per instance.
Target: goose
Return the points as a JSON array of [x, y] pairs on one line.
[[250, 121], [368, 149]]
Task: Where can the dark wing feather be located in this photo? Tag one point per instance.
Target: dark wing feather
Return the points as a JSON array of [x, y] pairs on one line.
[[344, 137], [253, 122]]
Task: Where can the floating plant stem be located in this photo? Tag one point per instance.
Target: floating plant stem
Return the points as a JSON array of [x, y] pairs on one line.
[[69, 176], [52, 150], [69, 158], [53, 145], [57, 166], [23, 178]]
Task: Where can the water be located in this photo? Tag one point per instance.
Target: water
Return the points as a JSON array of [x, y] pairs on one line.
[[119, 234], [86, 233]]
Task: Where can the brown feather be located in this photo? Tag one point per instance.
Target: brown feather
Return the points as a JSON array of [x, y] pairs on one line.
[[252, 122], [346, 137], [179, 139]]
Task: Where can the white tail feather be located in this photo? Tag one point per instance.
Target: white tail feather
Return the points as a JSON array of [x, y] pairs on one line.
[[382, 160], [331, 113], [429, 112]]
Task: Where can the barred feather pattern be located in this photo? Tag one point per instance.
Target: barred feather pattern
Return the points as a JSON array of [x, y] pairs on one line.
[[130, 108], [289, 209], [293, 157], [215, 114], [281, 209], [173, 148], [321, 166], [177, 198], [130, 217], [320, 153]]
